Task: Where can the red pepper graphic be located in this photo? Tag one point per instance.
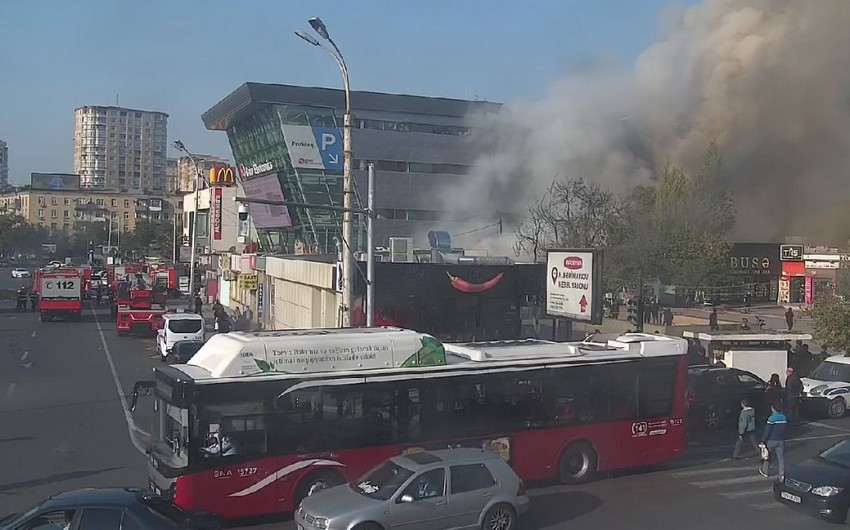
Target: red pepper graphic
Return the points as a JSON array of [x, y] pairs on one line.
[[467, 287]]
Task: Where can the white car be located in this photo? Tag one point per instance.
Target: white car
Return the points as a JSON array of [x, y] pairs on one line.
[[21, 273], [829, 385], [178, 327]]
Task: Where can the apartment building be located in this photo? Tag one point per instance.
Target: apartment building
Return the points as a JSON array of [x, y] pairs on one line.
[[120, 149], [4, 165], [56, 201], [172, 177], [186, 169]]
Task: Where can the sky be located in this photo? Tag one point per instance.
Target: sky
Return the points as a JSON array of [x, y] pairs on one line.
[[183, 56]]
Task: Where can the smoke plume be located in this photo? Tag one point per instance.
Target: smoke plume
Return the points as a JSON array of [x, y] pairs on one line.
[[768, 80]]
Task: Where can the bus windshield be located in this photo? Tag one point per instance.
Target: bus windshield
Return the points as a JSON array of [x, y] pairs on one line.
[[170, 435]]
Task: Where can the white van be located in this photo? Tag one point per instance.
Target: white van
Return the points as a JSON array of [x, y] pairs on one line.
[[177, 327]]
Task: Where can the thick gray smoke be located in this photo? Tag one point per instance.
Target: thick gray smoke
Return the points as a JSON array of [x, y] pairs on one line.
[[769, 80]]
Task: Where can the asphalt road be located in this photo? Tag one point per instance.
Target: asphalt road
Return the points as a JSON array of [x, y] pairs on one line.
[[62, 426]]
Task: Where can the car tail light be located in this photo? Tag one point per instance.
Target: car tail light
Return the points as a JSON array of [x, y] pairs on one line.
[[521, 490]]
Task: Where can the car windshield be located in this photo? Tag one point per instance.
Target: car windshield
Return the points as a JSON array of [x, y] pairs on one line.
[[838, 454], [185, 325], [382, 482], [832, 371]]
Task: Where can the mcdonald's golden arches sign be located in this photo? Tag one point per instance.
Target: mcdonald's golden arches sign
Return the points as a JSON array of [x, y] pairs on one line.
[[222, 176]]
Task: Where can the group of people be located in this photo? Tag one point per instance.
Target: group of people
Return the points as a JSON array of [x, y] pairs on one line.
[[25, 294], [785, 412], [653, 313], [241, 321]]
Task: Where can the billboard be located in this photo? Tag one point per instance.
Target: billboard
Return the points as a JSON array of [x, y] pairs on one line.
[[314, 147], [574, 284], [55, 181], [222, 176], [263, 215]]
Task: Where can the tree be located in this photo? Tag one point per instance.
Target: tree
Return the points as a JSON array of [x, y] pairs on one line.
[[831, 312], [572, 213], [149, 234]]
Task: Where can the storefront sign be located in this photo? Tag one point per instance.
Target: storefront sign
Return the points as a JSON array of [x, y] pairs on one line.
[[755, 259], [810, 264], [216, 213], [809, 290], [791, 252], [255, 170], [248, 282], [222, 176], [261, 298], [574, 284]]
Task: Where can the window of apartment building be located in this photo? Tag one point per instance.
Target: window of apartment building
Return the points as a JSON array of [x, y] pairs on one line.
[[66, 214], [126, 203], [114, 203], [54, 201], [40, 213], [114, 215], [66, 226], [54, 214], [126, 215], [42, 201], [67, 201], [99, 202]]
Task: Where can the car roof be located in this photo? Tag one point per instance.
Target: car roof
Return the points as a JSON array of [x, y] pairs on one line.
[[841, 359], [182, 316], [426, 459], [94, 497]]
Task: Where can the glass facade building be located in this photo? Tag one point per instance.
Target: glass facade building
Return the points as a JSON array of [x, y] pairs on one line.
[[287, 143]]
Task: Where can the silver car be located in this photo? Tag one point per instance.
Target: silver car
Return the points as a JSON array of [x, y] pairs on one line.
[[435, 490]]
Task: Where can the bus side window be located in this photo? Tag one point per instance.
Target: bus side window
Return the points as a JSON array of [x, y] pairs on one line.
[[657, 387], [298, 416]]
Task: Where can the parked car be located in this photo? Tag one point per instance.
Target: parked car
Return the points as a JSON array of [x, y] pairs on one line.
[[450, 488], [715, 395], [95, 509], [825, 389], [21, 273], [183, 350], [819, 486]]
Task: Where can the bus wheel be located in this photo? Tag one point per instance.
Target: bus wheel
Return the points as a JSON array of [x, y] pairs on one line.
[[315, 482], [837, 408], [578, 464]]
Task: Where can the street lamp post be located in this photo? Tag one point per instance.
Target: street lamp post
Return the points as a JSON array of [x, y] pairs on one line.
[[347, 180], [194, 232]]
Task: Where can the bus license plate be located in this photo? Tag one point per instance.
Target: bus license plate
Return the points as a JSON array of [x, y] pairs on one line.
[[788, 496]]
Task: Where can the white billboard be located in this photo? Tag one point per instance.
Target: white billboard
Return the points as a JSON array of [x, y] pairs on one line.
[[574, 284], [302, 147], [60, 287]]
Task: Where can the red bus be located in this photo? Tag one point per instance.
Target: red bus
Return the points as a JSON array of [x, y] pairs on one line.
[[257, 421]]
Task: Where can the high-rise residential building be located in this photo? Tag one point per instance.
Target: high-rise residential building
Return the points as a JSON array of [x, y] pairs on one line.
[[120, 149], [186, 169], [172, 175], [4, 165]]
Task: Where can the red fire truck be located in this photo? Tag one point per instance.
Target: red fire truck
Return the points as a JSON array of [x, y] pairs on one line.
[[115, 274], [60, 293], [164, 277], [140, 306]]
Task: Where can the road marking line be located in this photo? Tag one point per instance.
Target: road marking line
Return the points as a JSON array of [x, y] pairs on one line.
[[33, 333], [766, 506], [24, 356], [695, 472], [755, 477], [10, 390], [748, 493], [827, 426], [125, 407]]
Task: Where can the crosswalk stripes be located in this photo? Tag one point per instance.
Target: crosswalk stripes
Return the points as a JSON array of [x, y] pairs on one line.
[[739, 483]]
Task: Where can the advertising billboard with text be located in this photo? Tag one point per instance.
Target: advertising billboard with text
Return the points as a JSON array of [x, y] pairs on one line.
[[314, 147], [55, 181], [263, 215]]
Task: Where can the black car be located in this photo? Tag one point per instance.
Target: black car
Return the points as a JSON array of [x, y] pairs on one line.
[[97, 509], [820, 485], [715, 395], [183, 350]]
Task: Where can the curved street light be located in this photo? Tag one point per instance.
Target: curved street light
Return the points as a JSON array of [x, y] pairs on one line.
[[347, 180], [194, 236]]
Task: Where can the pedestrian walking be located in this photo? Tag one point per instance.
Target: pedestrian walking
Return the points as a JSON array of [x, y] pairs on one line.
[[199, 304], [774, 440], [712, 320], [668, 317], [746, 428], [793, 394], [789, 319]]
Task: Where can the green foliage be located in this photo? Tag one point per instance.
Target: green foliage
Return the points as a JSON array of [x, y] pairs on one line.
[[831, 313], [674, 229]]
